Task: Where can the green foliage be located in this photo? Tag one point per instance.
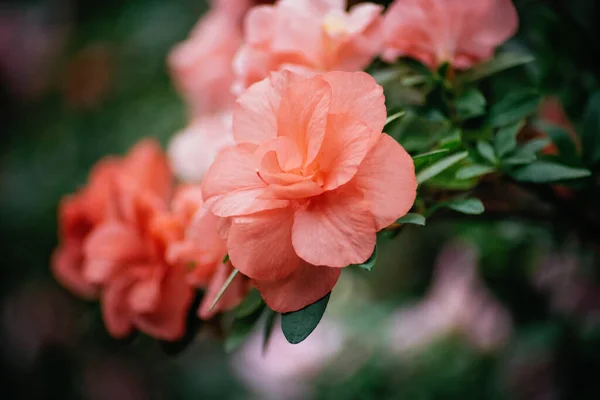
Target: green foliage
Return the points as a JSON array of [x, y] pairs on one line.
[[440, 166], [470, 104], [501, 62], [298, 325], [411, 218], [370, 263], [514, 107], [546, 172]]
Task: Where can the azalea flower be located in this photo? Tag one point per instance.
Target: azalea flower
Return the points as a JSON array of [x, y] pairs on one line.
[[307, 36], [309, 183], [461, 32]]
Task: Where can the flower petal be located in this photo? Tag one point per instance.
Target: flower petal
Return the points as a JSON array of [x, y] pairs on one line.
[[260, 245], [387, 180], [254, 116], [357, 94], [304, 286], [336, 229]]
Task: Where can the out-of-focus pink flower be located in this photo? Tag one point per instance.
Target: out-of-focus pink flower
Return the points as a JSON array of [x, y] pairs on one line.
[[202, 67], [310, 181], [457, 302], [461, 32], [284, 372], [193, 150], [307, 36]]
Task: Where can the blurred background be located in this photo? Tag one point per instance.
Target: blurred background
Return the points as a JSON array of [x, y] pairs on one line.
[[494, 309]]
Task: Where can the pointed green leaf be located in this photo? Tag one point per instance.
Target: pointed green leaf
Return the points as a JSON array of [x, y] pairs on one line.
[[440, 166], [506, 138], [487, 152], [500, 63], [534, 146], [520, 159], [470, 206], [514, 107], [470, 104], [394, 117], [547, 171], [412, 218], [590, 131], [370, 263], [473, 171], [297, 325], [428, 157], [223, 288]]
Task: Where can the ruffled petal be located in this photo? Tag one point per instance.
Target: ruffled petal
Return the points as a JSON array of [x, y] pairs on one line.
[[254, 116], [387, 180], [336, 229], [307, 284]]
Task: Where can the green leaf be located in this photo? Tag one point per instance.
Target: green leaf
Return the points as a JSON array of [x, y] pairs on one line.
[[440, 166], [251, 303], [269, 325], [226, 258], [514, 107], [426, 158], [590, 131], [223, 288], [412, 218], [500, 63], [487, 152], [370, 263], [473, 171], [470, 104], [546, 171], [471, 206], [534, 146], [297, 325], [394, 117], [241, 329], [567, 150], [519, 159], [506, 138]]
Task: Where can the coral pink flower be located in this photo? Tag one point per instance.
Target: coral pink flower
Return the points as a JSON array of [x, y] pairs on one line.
[[201, 251], [192, 151], [308, 36], [310, 182], [81, 213], [202, 65], [462, 32]]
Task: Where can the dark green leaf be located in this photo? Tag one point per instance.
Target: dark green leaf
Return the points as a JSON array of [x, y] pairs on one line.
[[470, 206], [452, 140], [241, 329], [546, 171], [563, 141], [520, 159], [429, 156], [514, 107], [534, 146], [251, 303], [473, 171], [506, 138], [590, 131], [226, 259], [297, 325], [394, 117], [412, 218], [487, 152], [500, 63], [470, 104], [440, 166], [370, 263]]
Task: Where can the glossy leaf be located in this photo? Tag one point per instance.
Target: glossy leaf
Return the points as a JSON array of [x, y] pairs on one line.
[[470, 104], [501, 62], [440, 166], [514, 107], [487, 152], [412, 218], [471, 206], [547, 171], [473, 171], [298, 325], [506, 138]]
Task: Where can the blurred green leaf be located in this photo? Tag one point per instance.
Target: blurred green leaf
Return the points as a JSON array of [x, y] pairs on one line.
[[412, 218], [546, 171], [251, 303], [370, 263], [514, 107], [563, 141], [590, 131], [394, 117], [241, 329], [474, 171], [505, 140], [534, 146], [470, 104], [298, 325], [487, 152], [520, 159], [500, 63], [440, 166], [269, 326], [471, 206]]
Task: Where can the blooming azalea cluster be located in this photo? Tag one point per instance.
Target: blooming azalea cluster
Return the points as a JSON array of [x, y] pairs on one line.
[[286, 174]]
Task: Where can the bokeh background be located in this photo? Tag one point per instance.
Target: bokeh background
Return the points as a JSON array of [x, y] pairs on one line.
[[477, 309]]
